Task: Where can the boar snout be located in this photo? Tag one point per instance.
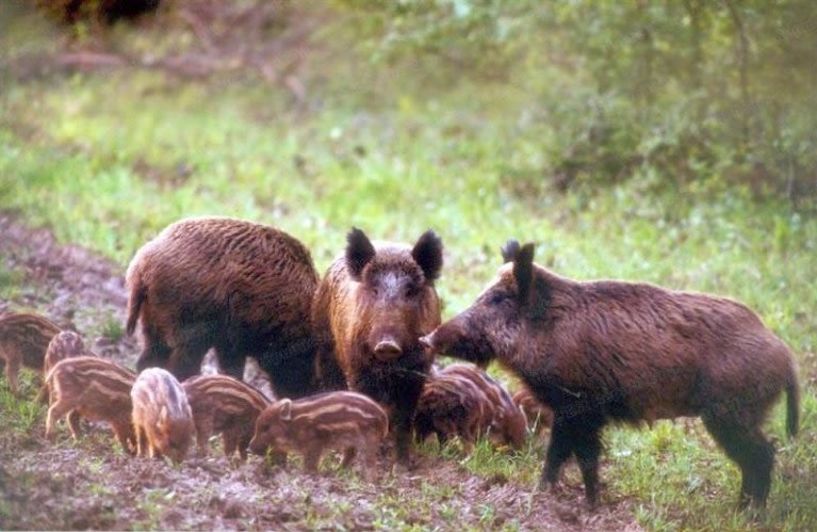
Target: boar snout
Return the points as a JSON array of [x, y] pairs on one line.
[[257, 447], [387, 349]]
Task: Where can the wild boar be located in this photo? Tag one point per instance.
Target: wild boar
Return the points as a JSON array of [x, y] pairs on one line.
[[224, 405], [65, 344], [368, 315], [507, 423], [345, 421], [242, 288], [608, 350], [93, 388], [162, 418], [23, 341], [450, 406], [539, 416]]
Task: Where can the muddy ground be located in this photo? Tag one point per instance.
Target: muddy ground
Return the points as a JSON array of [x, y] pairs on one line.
[[92, 484]]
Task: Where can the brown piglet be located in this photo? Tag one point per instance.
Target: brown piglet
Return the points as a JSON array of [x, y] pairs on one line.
[[346, 421], [222, 404], [93, 388], [24, 339], [451, 406], [66, 344], [508, 424], [162, 418]]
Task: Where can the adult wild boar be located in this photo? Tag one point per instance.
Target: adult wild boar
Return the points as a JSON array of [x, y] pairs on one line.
[[240, 287], [606, 350], [371, 309]]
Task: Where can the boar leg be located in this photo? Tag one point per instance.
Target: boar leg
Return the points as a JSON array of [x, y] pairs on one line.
[[229, 441], [230, 362], [189, 351], [156, 352], [587, 447], [753, 453], [73, 423], [312, 457], [204, 428], [55, 413], [121, 430], [559, 450], [141, 440], [12, 370], [349, 456]]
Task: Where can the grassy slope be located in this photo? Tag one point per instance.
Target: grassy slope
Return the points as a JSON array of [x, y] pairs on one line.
[[106, 161]]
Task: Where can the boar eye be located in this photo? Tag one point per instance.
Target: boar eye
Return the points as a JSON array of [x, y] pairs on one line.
[[496, 298], [411, 290]]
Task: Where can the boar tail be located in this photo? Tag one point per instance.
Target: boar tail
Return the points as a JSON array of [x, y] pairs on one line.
[[792, 404], [137, 297]]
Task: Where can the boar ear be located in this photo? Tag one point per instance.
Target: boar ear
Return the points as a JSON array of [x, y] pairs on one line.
[[359, 251], [286, 409], [428, 254], [510, 250], [523, 272]]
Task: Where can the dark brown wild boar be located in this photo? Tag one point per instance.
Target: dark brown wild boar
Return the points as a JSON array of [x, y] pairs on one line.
[[162, 418], [66, 344], [606, 350], [369, 312], [450, 406], [243, 288], [24, 339], [507, 423], [346, 421], [93, 388], [539, 416], [224, 405]]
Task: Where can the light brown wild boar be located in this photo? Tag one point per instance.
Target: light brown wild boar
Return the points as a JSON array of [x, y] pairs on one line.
[[369, 312], [608, 350], [66, 344], [507, 423], [450, 406], [539, 416], [162, 418], [24, 339], [242, 288], [345, 421], [224, 405], [93, 388]]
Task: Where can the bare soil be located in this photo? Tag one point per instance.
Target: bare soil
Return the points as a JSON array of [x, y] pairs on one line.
[[92, 484]]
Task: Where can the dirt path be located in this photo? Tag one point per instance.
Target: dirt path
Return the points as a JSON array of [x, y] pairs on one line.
[[92, 484]]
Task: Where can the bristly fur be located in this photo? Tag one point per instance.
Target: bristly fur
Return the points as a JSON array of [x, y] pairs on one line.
[[242, 288], [606, 350], [369, 312]]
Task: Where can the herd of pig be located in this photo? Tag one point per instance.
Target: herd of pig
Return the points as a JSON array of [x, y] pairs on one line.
[[352, 356]]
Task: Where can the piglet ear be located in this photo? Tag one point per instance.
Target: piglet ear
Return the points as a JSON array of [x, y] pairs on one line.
[[523, 272], [359, 251], [509, 250], [286, 410], [428, 254]]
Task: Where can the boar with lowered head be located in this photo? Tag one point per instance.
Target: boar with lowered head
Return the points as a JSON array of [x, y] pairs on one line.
[[369, 312], [162, 417], [24, 339], [606, 350], [93, 388], [66, 344], [222, 404], [450, 406], [506, 423], [242, 288], [346, 421]]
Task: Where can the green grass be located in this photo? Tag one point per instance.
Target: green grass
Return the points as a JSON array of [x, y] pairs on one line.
[[107, 161]]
